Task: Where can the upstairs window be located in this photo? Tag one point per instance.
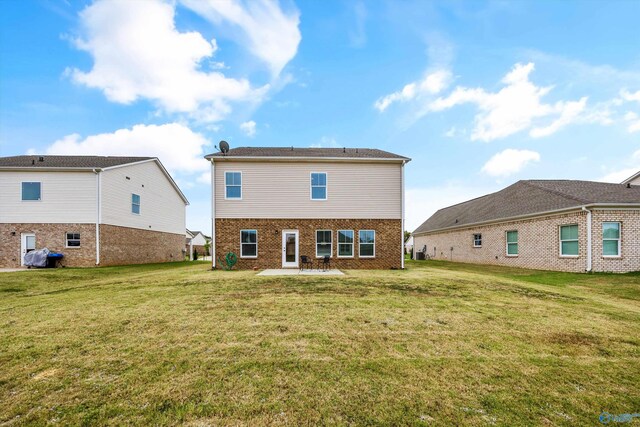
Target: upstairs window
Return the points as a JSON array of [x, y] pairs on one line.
[[318, 186], [248, 243], [611, 239], [512, 243], [367, 240], [323, 243], [135, 204], [233, 184], [569, 240], [345, 243], [477, 240], [31, 191], [72, 240]]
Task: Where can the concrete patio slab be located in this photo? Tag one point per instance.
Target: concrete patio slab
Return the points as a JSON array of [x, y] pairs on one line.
[[13, 270], [296, 272]]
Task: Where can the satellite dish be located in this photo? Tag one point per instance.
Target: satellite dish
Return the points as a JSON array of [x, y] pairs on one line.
[[224, 147]]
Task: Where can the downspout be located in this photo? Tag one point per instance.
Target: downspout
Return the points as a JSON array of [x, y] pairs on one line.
[[402, 209], [213, 215], [589, 239], [98, 173]]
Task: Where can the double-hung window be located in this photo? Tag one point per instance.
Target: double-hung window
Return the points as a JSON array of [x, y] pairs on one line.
[[345, 243], [233, 185], [248, 243], [31, 191], [477, 240], [318, 186], [367, 241], [135, 204], [611, 239], [569, 240], [512, 243], [323, 243], [72, 240]]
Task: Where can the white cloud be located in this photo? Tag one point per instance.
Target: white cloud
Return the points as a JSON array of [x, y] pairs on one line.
[[432, 84], [325, 142], [509, 161], [139, 54], [629, 96], [204, 178], [516, 107], [357, 32], [249, 128], [178, 147], [632, 167], [421, 203], [270, 33]]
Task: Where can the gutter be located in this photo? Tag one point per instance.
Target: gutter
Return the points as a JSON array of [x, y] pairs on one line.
[[589, 239], [402, 209], [98, 173], [309, 159]]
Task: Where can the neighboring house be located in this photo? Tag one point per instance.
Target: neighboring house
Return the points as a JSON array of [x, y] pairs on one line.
[[198, 241], [408, 244], [273, 205], [542, 224], [95, 210]]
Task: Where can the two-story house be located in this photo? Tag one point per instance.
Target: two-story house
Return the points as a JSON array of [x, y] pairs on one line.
[[95, 210], [270, 206]]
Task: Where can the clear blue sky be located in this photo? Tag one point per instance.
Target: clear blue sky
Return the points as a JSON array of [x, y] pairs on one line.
[[478, 94]]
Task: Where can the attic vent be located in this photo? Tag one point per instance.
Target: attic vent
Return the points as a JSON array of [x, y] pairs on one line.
[[456, 221], [41, 159], [33, 162], [344, 149], [628, 185]]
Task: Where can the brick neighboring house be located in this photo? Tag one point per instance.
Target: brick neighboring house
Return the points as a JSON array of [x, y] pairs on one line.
[[270, 206], [559, 225], [96, 210]]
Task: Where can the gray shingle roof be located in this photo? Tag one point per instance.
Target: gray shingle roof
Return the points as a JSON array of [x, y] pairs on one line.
[[347, 153], [528, 198], [67, 161]]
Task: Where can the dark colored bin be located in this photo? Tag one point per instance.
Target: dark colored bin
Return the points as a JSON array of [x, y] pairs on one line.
[[53, 260], [420, 256]]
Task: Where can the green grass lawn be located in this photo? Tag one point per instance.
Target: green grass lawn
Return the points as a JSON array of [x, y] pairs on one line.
[[437, 344]]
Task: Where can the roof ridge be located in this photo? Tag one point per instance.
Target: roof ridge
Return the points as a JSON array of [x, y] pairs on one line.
[[557, 193]]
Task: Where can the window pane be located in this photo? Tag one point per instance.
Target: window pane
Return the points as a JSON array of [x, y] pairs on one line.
[[345, 250], [570, 248], [366, 249], [512, 236], [248, 236], [569, 232], [249, 249], [319, 193], [367, 236], [610, 248], [324, 249], [135, 199], [135, 209], [234, 192], [345, 236], [512, 249], [611, 230], [323, 236], [30, 191]]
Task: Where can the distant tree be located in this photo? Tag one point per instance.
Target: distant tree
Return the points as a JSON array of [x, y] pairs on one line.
[[195, 255], [206, 248], [407, 234]]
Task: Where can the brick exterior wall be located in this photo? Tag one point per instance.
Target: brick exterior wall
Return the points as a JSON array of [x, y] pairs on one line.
[[629, 259], [388, 249], [539, 243], [52, 237], [124, 245]]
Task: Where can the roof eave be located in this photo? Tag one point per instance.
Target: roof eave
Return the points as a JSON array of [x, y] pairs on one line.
[[526, 216], [214, 158]]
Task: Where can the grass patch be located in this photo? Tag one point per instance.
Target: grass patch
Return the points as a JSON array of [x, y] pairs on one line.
[[439, 343]]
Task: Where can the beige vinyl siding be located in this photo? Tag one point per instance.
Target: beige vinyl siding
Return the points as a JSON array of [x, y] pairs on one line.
[[67, 197], [282, 190], [635, 181], [199, 240], [161, 207]]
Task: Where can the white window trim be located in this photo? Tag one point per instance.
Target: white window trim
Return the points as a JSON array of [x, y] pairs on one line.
[[506, 247], [619, 239], [241, 185], [249, 256], [139, 204], [571, 240], [66, 240], [375, 238], [353, 240], [31, 182], [326, 187], [474, 240], [331, 243]]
